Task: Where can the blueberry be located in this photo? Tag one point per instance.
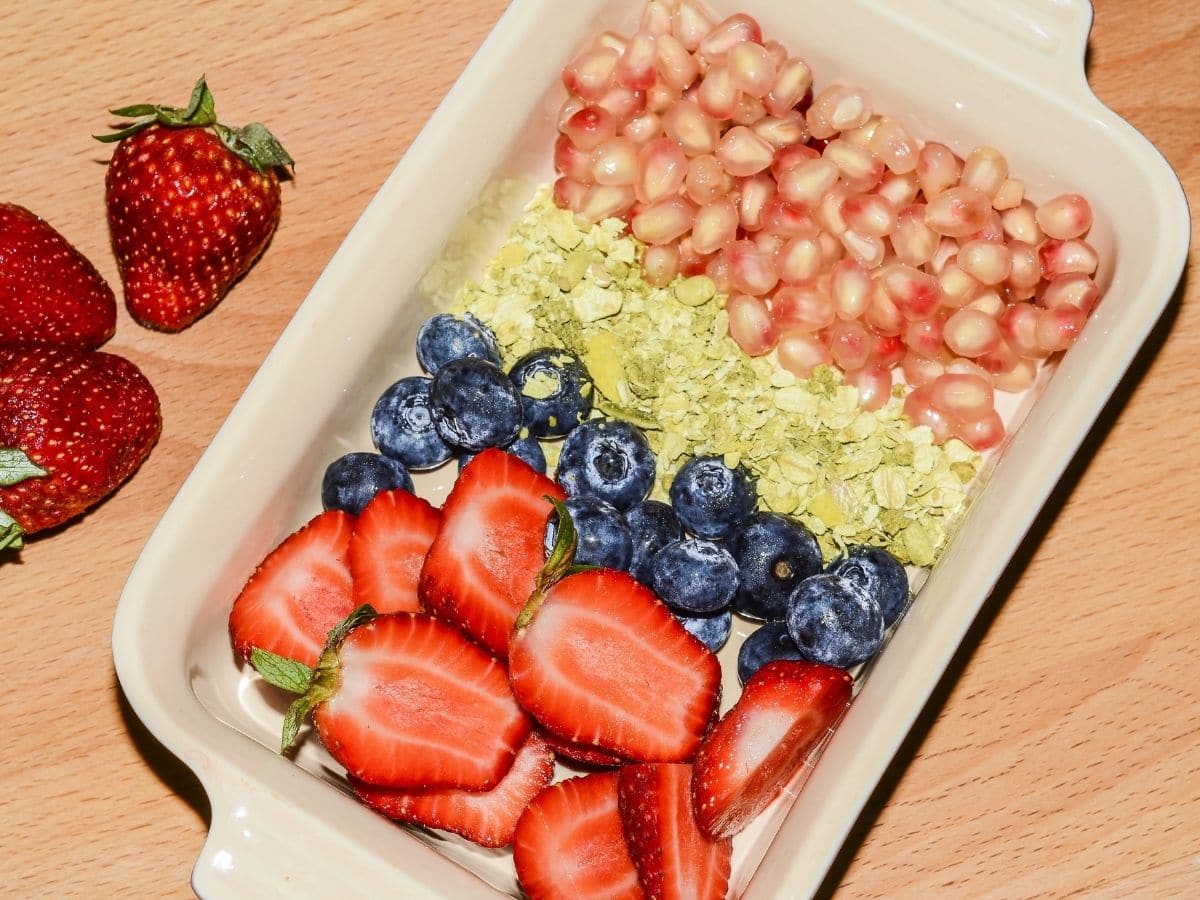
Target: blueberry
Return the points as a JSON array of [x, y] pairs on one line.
[[444, 338], [474, 405], [710, 498], [881, 574], [402, 426], [526, 448], [834, 620], [652, 525], [694, 575], [773, 554], [556, 391], [765, 644], [603, 536], [353, 480], [711, 630], [609, 459]]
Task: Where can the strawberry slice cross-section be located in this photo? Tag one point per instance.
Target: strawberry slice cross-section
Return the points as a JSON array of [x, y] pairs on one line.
[[387, 550]]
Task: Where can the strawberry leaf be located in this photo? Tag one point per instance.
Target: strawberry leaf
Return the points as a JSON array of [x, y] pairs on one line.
[[558, 563], [287, 674], [15, 467], [11, 534], [256, 145]]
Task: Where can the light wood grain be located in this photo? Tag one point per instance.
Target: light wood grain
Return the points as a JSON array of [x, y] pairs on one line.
[[1059, 757]]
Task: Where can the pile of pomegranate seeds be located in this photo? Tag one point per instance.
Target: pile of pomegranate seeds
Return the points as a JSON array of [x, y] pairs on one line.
[[838, 237]]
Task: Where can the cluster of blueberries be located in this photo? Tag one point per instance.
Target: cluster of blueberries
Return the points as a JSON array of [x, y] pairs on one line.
[[708, 554]]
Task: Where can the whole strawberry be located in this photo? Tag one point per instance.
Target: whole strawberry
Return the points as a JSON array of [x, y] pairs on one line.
[[191, 205], [74, 424], [49, 291]]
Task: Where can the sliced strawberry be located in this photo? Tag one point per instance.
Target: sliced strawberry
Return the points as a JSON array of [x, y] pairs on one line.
[[488, 818], [599, 660], [675, 861], [580, 753], [569, 843], [487, 554], [415, 705], [784, 712], [391, 537], [298, 593]]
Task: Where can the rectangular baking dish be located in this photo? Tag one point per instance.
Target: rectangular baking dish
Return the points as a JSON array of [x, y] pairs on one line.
[[1009, 75]]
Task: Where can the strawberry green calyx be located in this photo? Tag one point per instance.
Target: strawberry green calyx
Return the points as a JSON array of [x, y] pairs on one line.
[[314, 685], [15, 467], [253, 143], [12, 536], [559, 563]]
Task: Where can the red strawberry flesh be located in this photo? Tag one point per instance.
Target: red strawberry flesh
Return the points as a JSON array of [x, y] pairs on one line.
[[298, 592], [784, 712], [419, 706], [387, 550], [580, 754]]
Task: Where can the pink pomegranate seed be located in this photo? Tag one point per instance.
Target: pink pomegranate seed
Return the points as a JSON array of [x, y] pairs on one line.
[[804, 184], [992, 230], [753, 194], [869, 214], [967, 398], [913, 240], [660, 98], [643, 129], [888, 350], [989, 303], [1019, 326], [787, 157], [1065, 217], [663, 221], [781, 218], [570, 106], [957, 287], [706, 181], [857, 165], [867, 249], [831, 248], [1010, 195], [661, 264], [919, 370], [571, 161], [849, 344], [924, 337], [946, 254], [590, 127], [892, 144], [742, 153], [861, 136], [662, 168], [623, 104], [570, 194], [1019, 378], [715, 226], [915, 293], [769, 244], [838, 108], [725, 35], [799, 260], [850, 285], [719, 268], [615, 162], [752, 68], [874, 385], [612, 41], [1058, 328], [1020, 223], [1065, 257], [958, 211], [717, 95], [750, 324], [1000, 361], [971, 333], [986, 262], [656, 18], [803, 309], [882, 313], [1026, 272], [938, 169], [788, 130], [749, 110], [1073, 289], [899, 190], [675, 65], [607, 201], [800, 352], [919, 409], [590, 74], [985, 170], [981, 434], [690, 262], [637, 69], [778, 53], [793, 78], [690, 23], [752, 270], [695, 132]]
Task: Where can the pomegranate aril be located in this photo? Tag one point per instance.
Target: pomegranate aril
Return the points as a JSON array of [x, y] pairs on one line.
[[788, 130], [690, 262], [643, 129], [971, 333], [752, 68], [638, 67], [663, 221], [992, 229], [769, 244], [924, 337], [570, 194], [857, 165], [892, 144], [869, 214], [799, 260], [938, 169], [590, 127], [591, 73], [656, 18], [915, 293], [838, 108], [849, 344], [1020, 223], [792, 80], [986, 170], [612, 41], [1066, 216], [803, 309], [831, 248], [962, 396], [920, 370], [615, 162], [862, 134], [778, 52], [661, 264], [1072, 289], [660, 98], [804, 184], [572, 162], [945, 255], [623, 104], [750, 111], [725, 35], [1025, 273], [986, 262], [706, 180], [1065, 257], [752, 271], [1010, 195], [1019, 327], [919, 409], [687, 124], [607, 201], [899, 190], [781, 218], [676, 67], [887, 351], [751, 325], [999, 361], [981, 434], [913, 241], [715, 226], [800, 352], [882, 313], [1020, 377], [1058, 328], [717, 95], [753, 194], [874, 384], [867, 249], [850, 285], [661, 170], [690, 23], [989, 303], [742, 153], [957, 212], [829, 211], [957, 287]]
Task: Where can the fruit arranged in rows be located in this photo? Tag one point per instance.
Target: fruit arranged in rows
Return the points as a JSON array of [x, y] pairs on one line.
[[839, 237]]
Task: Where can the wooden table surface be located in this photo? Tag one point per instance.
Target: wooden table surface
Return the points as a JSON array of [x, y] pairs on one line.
[[1060, 755]]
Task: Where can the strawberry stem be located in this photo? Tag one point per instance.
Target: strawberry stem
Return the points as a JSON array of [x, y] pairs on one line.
[[558, 563]]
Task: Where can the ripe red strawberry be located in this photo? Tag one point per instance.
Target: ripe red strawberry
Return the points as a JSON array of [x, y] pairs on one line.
[[489, 818], [599, 660], [784, 712], [581, 754], [569, 843], [487, 554], [85, 420], [191, 205], [298, 592], [49, 291], [391, 537], [405, 701], [675, 861]]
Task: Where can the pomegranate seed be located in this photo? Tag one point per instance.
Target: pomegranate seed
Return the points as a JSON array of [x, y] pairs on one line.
[[572, 162], [793, 78], [612, 41], [1000, 361], [882, 313], [800, 352], [946, 254], [769, 244], [1010, 195], [1058, 328], [615, 162], [1064, 257], [924, 337], [607, 201], [985, 170], [656, 18], [831, 248], [719, 268], [690, 23], [752, 68], [857, 165], [783, 131], [718, 95], [643, 129], [753, 272], [1020, 223], [938, 169], [1065, 217], [867, 249], [781, 218], [899, 190], [690, 262], [753, 194], [829, 212], [570, 106], [838, 108], [590, 74], [919, 409], [958, 211], [661, 264], [804, 185], [803, 309], [677, 67], [715, 226], [662, 168], [778, 53], [849, 344], [874, 384], [787, 157], [992, 230], [861, 136], [1072, 289], [967, 398], [590, 127], [915, 293], [892, 144], [660, 98], [971, 333], [986, 262], [957, 287], [850, 285], [888, 350], [1019, 326], [989, 303], [1019, 378], [981, 434], [706, 181], [799, 260], [725, 35], [749, 110], [750, 324], [695, 132], [743, 153], [637, 67], [570, 194], [869, 214], [1026, 271], [663, 221], [913, 240], [919, 370], [623, 104]]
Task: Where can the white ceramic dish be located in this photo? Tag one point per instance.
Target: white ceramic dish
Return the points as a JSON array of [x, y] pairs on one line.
[[1004, 74]]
